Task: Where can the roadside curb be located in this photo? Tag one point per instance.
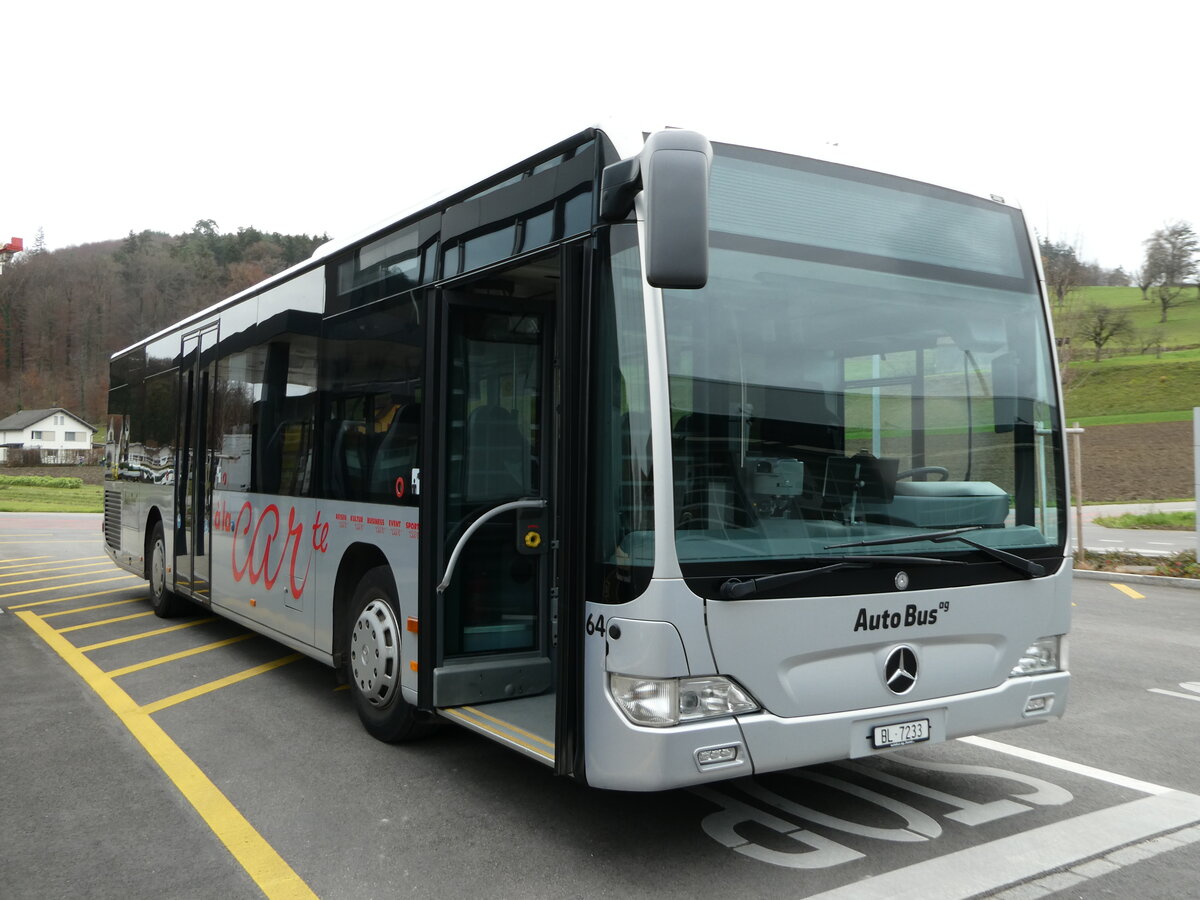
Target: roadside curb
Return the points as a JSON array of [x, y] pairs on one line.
[[1162, 580]]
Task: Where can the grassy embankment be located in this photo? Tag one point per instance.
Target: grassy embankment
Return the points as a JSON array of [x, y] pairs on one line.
[[34, 493], [1127, 386], [1158, 521]]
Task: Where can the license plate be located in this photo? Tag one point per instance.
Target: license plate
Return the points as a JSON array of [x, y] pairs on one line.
[[899, 734]]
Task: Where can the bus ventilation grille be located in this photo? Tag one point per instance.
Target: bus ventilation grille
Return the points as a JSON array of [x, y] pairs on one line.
[[112, 519]]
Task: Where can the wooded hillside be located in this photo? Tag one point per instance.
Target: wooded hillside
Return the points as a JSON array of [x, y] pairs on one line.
[[62, 313]]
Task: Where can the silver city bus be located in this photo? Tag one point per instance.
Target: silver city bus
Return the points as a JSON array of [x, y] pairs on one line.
[[658, 460]]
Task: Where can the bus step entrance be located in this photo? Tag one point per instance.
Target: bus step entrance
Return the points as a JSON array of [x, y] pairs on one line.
[[525, 724]]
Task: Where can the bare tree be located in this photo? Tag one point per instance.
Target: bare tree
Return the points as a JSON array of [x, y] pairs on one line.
[[1062, 268], [1153, 340], [1102, 324], [1171, 263], [1144, 279]]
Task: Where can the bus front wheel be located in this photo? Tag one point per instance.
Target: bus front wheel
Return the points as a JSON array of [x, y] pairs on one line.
[[373, 654]]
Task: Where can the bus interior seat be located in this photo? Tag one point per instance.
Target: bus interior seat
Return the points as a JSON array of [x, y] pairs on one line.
[[949, 504], [349, 462], [397, 453]]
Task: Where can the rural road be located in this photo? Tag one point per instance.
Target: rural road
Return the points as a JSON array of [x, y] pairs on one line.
[[1145, 541]]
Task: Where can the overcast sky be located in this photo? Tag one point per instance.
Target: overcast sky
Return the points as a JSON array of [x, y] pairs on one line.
[[304, 117]]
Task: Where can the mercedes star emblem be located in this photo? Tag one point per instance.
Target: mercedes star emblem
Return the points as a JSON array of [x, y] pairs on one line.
[[900, 670]]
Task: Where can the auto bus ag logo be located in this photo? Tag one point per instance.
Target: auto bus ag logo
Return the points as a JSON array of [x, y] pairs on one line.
[[900, 669]]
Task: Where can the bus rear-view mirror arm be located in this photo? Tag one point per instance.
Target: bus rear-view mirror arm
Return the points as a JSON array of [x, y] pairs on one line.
[[672, 170]]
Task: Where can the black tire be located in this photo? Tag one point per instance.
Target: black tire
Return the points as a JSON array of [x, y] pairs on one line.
[[166, 603], [373, 650]]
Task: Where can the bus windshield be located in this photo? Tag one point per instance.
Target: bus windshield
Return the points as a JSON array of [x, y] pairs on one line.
[[869, 361]]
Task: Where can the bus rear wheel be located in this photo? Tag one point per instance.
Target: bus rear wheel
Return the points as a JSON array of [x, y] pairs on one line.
[[373, 654], [166, 602]]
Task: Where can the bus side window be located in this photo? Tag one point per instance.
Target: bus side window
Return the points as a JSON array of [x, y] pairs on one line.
[[372, 401], [396, 457]]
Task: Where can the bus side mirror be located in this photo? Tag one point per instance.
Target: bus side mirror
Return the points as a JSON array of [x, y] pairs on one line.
[[672, 171]]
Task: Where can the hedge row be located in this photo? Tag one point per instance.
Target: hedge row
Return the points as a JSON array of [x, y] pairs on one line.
[[40, 481]]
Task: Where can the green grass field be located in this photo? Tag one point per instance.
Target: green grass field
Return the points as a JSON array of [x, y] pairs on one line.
[[1182, 328], [1118, 390], [1128, 386], [1179, 415], [32, 498], [1159, 521]]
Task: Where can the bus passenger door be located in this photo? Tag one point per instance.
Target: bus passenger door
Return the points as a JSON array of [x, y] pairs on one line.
[[494, 556], [194, 465]]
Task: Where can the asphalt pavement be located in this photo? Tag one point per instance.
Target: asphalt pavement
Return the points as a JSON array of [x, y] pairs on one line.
[[144, 759]]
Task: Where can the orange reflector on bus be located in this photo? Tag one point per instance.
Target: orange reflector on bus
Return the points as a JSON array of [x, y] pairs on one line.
[[412, 664], [412, 624]]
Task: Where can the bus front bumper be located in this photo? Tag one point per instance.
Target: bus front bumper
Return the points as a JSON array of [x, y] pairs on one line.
[[623, 756]]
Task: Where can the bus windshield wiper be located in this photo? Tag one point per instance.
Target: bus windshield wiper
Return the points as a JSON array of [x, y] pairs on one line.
[[1025, 566], [744, 588]]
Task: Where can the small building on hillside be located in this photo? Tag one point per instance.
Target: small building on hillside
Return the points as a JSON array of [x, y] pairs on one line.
[[60, 435]]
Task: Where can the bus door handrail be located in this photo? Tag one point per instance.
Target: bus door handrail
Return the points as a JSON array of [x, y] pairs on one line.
[[466, 536]]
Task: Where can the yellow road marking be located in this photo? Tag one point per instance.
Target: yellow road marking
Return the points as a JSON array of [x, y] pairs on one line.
[[1127, 591], [218, 684], [145, 634], [54, 577], [23, 560], [79, 609], [66, 586], [511, 727], [46, 570], [49, 561], [86, 540], [105, 593], [261, 861], [182, 654], [140, 615]]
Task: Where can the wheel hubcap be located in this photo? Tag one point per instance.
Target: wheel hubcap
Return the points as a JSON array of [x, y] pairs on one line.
[[375, 653], [158, 571]]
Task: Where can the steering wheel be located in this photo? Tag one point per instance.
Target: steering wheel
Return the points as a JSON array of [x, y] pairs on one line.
[[940, 471]]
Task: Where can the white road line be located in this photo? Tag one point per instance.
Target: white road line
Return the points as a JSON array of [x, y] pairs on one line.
[[1174, 694], [1044, 887], [1067, 766], [1010, 860]]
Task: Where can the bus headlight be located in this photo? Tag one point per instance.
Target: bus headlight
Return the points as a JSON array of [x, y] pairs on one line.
[[1039, 657], [663, 702]]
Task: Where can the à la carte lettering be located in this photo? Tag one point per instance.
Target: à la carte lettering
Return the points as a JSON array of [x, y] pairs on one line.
[[272, 542], [906, 618]]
